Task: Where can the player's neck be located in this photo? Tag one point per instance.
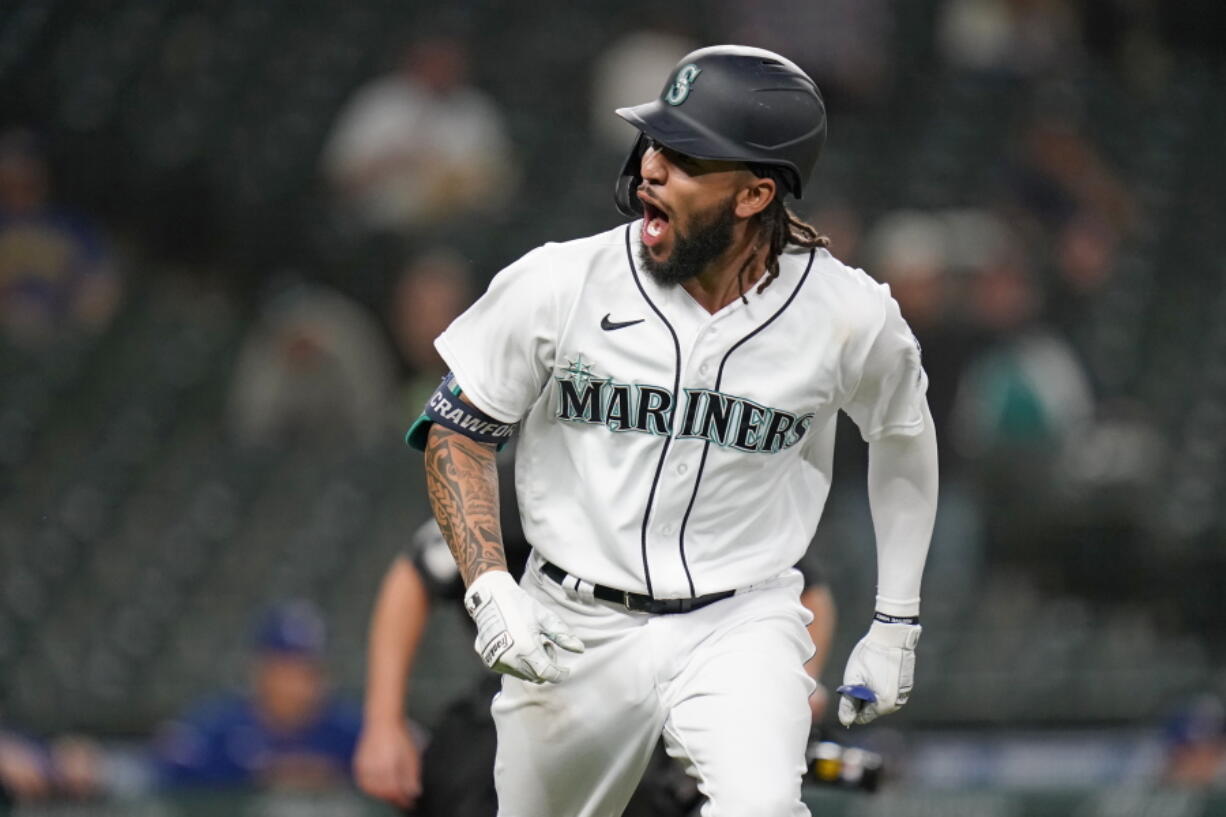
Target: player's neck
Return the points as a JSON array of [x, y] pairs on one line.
[[722, 282]]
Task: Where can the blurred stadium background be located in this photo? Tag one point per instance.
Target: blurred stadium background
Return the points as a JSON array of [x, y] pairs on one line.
[[206, 372]]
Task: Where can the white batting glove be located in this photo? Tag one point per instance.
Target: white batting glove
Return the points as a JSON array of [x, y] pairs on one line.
[[516, 635], [883, 661]]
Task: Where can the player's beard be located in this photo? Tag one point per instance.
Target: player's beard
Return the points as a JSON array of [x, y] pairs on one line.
[[709, 237]]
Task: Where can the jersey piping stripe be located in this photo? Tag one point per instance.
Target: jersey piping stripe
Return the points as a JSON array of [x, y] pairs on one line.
[[719, 379], [655, 481]]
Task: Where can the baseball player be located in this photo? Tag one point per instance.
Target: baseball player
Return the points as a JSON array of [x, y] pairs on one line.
[[675, 383]]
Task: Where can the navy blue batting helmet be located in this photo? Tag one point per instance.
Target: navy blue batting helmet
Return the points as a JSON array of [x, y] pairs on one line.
[[731, 103]]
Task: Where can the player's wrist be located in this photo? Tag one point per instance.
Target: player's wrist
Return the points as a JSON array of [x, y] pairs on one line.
[[487, 582], [895, 634], [887, 618], [384, 726], [384, 696], [904, 608]]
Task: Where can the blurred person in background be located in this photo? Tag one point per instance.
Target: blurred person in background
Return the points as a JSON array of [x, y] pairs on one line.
[[57, 277], [430, 292], [1128, 37], [1008, 38], [1085, 257], [847, 46], [1196, 743], [24, 770], [1056, 173], [841, 222], [1061, 184], [1026, 390], [288, 731], [628, 70], [1023, 398], [314, 367], [421, 146], [69, 767]]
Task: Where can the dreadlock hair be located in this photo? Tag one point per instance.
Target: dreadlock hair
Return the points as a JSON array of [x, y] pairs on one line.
[[779, 226]]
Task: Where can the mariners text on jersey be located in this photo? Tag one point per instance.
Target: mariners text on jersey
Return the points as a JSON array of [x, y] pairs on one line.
[[724, 419]]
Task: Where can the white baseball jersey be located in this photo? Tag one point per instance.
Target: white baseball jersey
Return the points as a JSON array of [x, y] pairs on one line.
[[665, 450]]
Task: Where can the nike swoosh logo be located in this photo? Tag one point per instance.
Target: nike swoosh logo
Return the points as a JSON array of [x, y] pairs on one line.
[[608, 325]]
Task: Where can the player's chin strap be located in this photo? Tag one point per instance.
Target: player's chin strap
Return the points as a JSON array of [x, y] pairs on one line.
[[628, 182]]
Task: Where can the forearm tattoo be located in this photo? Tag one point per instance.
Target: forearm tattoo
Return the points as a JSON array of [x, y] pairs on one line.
[[462, 480]]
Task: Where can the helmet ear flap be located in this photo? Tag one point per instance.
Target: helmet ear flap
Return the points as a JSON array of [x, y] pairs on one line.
[[628, 181], [784, 177]]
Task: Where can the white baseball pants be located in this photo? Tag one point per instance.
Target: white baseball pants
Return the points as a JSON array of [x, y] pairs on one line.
[[725, 684]]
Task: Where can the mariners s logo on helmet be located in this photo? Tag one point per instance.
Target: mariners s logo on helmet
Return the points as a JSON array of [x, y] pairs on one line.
[[681, 86]]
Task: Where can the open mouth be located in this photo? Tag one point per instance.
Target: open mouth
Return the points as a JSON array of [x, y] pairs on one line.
[[655, 222]]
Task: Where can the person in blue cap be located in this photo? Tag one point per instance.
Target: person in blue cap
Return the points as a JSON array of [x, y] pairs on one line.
[[286, 731]]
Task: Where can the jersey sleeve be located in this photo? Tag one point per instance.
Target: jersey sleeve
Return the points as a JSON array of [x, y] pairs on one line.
[[501, 349], [890, 393]]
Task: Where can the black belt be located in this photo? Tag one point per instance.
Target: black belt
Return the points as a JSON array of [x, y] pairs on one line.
[[637, 601]]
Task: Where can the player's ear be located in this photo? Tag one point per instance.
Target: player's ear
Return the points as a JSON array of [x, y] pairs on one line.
[[755, 195]]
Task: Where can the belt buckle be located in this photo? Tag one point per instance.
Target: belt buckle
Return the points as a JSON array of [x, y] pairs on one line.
[[626, 601]]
